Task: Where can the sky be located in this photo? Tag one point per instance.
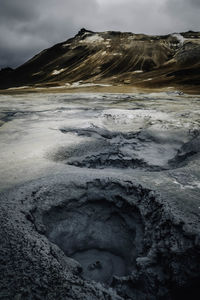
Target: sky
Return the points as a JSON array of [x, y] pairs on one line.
[[29, 26]]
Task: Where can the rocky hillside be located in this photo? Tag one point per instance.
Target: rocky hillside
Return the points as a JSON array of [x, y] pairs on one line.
[[112, 58]]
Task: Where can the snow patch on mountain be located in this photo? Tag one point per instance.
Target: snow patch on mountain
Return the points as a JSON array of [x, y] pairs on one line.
[[56, 72], [96, 38], [89, 84], [138, 71]]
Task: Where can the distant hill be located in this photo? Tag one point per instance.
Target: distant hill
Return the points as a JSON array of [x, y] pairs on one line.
[[113, 58]]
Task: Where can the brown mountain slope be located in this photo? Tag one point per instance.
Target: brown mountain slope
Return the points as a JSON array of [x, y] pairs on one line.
[[113, 58]]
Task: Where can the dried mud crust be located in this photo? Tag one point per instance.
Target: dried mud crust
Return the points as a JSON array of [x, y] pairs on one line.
[[67, 234], [140, 150]]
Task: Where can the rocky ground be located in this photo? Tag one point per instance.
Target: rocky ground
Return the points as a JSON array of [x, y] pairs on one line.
[[100, 196]]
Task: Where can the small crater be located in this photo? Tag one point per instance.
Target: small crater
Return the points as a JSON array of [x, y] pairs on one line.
[[142, 150]]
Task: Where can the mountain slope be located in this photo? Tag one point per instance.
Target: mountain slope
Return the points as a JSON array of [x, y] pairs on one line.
[[113, 58]]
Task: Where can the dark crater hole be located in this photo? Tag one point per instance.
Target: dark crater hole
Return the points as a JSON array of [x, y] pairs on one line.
[[104, 239]]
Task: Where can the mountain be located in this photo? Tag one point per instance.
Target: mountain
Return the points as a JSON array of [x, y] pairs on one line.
[[113, 58]]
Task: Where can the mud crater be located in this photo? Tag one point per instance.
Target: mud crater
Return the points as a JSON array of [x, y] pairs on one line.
[[103, 238], [141, 150], [121, 234]]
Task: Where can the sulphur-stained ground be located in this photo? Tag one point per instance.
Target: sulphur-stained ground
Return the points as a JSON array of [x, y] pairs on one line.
[[100, 196]]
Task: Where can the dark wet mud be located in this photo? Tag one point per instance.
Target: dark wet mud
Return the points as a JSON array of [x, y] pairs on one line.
[[103, 238]]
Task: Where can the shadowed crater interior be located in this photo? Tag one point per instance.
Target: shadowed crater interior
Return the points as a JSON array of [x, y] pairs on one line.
[[103, 238]]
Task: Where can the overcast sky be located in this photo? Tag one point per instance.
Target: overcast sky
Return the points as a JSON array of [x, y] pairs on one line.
[[29, 26]]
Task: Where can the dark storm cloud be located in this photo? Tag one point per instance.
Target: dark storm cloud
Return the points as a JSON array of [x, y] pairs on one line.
[[183, 14], [16, 10], [28, 26]]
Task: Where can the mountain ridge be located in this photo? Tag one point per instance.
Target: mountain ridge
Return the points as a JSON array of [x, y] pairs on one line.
[[112, 58]]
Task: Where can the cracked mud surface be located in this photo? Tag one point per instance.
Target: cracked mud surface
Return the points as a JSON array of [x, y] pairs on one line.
[[100, 197]]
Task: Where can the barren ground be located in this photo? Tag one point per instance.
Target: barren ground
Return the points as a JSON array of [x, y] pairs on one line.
[[100, 195]]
